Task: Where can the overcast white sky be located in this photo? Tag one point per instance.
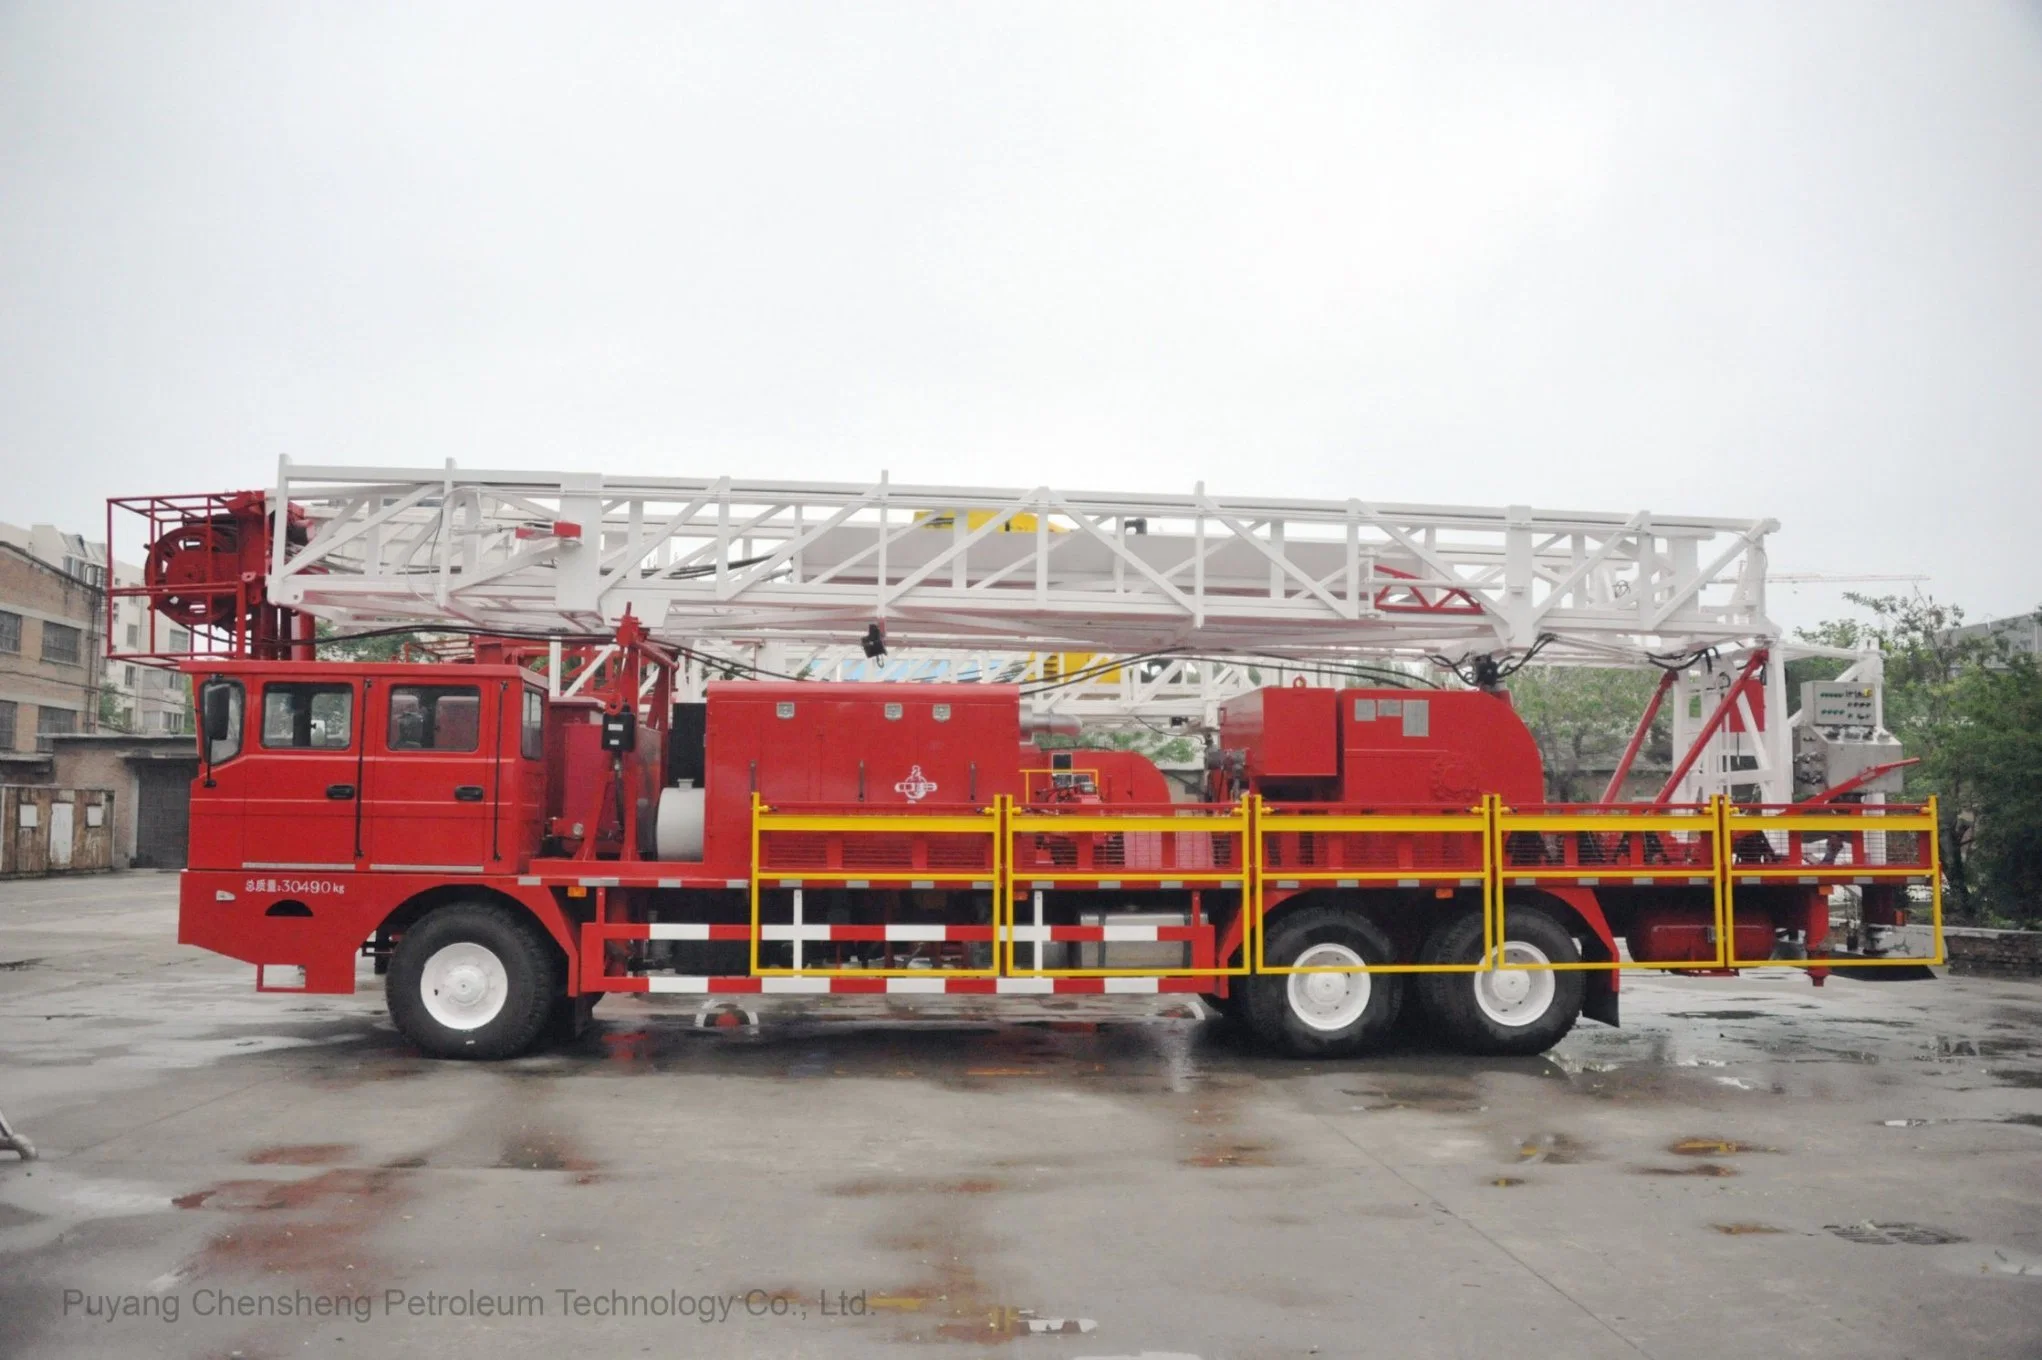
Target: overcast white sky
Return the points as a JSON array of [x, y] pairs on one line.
[[1780, 259]]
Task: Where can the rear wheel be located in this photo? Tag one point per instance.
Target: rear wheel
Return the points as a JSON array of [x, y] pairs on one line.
[[473, 980], [1331, 1014], [1508, 1010]]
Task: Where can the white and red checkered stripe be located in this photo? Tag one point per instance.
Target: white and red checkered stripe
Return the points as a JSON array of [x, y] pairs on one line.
[[908, 986], [904, 933]]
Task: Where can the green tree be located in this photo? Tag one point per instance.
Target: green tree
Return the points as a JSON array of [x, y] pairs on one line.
[[1163, 747], [1995, 746], [1582, 717], [114, 716], [1971, 710], [379, 647]]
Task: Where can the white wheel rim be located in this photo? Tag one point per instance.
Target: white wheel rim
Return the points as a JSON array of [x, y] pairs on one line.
[[1328, 1001], [464, 986], [1516, 997]]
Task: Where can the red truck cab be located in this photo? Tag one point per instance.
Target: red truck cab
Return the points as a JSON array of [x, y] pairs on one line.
[[313, 773]]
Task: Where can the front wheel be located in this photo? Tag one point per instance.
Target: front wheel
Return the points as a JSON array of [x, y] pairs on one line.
[[473, 980], [1518, 1010], [1330, 1014]]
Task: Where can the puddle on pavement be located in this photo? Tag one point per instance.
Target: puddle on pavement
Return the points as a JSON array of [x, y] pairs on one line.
[[1431, 1088], [1745, 1229], [17, 965], [264, 1196], [874, 1185], [1709, 1170], [346, 1076], [963, 1052], [947, 1301], [1506, 1181], [1873, 1234], [300, 1154], [1721, 1015], [1550, 1149], [1942, 1047], [1234, 1154], [2015, 1076], [1713, 1147], [545, 1152], [315, 1229]]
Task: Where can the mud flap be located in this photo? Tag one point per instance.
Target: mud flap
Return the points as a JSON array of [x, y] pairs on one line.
[[1599, 1003], [570, 1017]]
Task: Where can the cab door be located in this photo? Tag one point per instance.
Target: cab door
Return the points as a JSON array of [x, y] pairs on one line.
[[302, 783], [217, 834], [434, 788]]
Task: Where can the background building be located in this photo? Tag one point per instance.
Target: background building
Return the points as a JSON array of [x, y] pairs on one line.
[[2021, 634], [52, 640], [59, 579], [110, 738]]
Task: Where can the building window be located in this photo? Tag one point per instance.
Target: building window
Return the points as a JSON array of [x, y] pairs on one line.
[[60, 644], [180, 639], [10, 632], [8, 708], [53, 722], [134, 636]]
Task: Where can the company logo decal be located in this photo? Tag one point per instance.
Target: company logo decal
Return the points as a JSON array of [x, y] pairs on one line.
[[916, 786]]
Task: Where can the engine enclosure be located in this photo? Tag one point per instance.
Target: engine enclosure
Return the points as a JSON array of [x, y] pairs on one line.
[[1383, 747]]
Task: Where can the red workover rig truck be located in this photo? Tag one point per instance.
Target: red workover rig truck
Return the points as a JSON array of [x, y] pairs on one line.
[[576, 804]]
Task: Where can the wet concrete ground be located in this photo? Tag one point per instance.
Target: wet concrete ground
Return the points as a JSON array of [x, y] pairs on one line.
[[1751, 1166]]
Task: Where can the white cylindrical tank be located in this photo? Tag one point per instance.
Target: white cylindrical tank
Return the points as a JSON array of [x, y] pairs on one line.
[[678, 833]]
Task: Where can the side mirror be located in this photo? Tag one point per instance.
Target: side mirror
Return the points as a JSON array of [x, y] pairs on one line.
[[219, 713]]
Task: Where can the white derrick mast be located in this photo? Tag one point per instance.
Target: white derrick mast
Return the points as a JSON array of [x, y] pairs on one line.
[[1157, 605]]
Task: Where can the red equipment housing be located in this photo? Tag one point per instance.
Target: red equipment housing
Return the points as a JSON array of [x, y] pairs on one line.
[[205, 568]]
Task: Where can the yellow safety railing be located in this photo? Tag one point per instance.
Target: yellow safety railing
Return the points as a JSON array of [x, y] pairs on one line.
[[1479, 822], [768, 875], [1184, 866], [1587, 858], [1546, 848], [1836, 830]]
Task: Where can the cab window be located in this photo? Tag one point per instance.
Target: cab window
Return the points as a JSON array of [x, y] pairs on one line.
[[532, 735], [435, 717], [307, 716]]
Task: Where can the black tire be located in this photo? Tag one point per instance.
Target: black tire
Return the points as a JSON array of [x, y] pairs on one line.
[[531, 982], [1454, 1001], [1279, 1011]]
